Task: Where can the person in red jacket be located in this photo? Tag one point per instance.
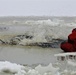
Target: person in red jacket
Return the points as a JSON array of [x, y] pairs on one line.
[[70, 44]]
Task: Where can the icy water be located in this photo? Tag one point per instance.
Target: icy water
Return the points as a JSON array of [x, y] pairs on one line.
[[20, 59], [28, 56]]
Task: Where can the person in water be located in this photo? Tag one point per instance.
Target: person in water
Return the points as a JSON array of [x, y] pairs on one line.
[[70, 44]]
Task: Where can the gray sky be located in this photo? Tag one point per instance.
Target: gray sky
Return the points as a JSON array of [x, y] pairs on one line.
[[37, 7]]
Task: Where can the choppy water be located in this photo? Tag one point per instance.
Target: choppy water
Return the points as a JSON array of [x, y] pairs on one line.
[[43, 30]]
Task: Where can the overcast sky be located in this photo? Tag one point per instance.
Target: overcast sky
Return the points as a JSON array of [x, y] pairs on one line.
[[37, 7]]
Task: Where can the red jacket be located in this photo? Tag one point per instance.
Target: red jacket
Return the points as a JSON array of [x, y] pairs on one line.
[[70, 45], [72, 38]]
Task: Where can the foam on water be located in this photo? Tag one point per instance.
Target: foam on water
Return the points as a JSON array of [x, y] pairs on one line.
[[42, 30]]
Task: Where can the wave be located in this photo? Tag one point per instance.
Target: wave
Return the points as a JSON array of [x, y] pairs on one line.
[[29, 40], [41, 30]]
